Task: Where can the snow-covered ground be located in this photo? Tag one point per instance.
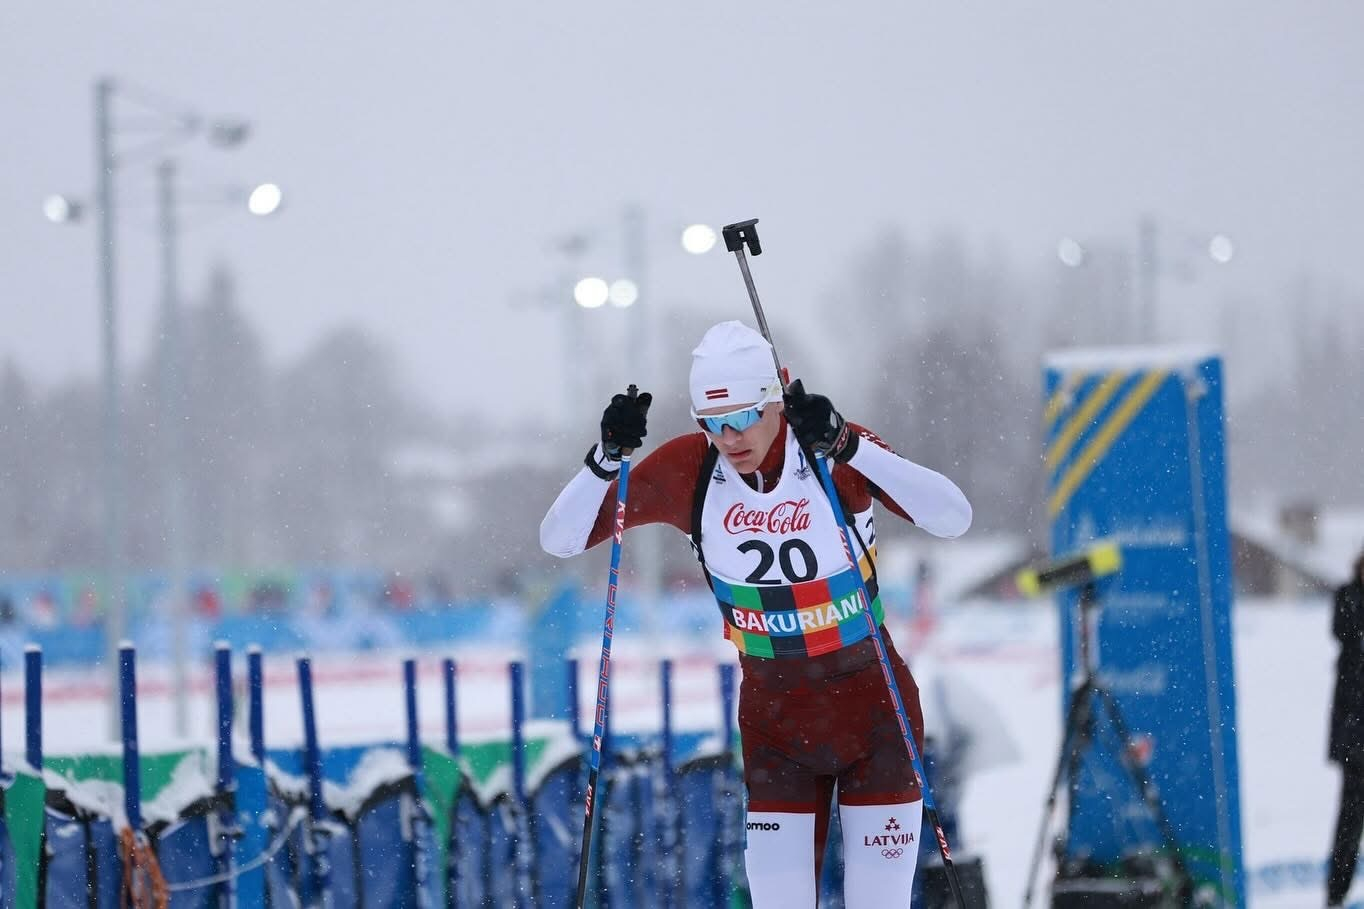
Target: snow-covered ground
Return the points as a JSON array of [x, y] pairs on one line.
[[1001, 658]]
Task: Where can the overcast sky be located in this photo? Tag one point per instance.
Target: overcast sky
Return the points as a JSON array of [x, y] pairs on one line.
[[433, 152]]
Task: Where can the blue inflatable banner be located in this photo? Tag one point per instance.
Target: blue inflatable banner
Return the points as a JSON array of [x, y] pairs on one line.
[[1135, 455]]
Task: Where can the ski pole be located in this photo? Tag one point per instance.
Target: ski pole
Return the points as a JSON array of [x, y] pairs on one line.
[[737, 236], [604, 668]]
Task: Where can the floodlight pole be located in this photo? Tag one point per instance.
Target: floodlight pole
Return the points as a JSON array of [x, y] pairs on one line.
[[172, 419], [112, 472], [643, 319]]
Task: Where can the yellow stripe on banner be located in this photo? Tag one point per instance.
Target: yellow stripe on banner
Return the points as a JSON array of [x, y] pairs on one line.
[[1058, 400], [1094, 452], [1083, 418]]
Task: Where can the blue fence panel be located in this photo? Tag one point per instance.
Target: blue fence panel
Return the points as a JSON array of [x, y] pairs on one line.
[[469, 856], [502, 855], [184, 853], [556, 815], [386, 852], [7, 883]]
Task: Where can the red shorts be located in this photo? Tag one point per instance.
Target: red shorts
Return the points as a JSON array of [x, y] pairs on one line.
[[812, 722]]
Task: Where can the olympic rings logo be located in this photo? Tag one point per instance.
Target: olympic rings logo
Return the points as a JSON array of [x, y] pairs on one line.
[[892, 853]]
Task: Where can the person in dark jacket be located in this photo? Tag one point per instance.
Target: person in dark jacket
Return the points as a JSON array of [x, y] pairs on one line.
[[1347, 732]]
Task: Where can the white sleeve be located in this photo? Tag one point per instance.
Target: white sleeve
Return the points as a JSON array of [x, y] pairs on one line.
[[932, 500], [568, 523]]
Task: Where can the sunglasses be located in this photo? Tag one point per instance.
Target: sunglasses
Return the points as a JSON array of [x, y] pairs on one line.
[[737, 420]]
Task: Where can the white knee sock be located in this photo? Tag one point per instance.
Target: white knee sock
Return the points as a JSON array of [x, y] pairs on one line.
[[780, 860], [880, 852]]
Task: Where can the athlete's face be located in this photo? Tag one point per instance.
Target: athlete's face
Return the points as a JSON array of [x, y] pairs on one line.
[[746, 450]]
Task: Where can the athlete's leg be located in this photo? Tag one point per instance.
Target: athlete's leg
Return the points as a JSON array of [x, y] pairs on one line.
[[781, 773], [880, 851], [776, 859], [880, 803]]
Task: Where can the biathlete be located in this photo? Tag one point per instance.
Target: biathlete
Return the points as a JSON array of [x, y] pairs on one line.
[[814, 710]]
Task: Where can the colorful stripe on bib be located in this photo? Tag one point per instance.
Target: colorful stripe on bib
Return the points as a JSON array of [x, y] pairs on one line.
[[801, 620]]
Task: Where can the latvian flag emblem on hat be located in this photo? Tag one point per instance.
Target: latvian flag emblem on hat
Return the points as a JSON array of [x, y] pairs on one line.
[[715, 394]]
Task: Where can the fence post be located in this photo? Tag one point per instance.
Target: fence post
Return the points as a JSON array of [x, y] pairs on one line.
[[225, 817], [33, 706], [318, 839]]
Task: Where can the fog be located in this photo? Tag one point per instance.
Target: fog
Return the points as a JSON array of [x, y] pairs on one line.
[[390, 370]]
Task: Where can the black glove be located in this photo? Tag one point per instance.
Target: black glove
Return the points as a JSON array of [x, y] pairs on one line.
[[817, 425], [624, 421]]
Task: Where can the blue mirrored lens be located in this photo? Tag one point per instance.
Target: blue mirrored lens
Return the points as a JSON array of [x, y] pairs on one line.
[[736, 421]]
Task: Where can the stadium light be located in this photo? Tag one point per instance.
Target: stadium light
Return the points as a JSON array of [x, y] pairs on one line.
[[1070, 252], [622, 293], [1221, 249], [265, 200], [698, 239], [61, 209], [591, 293]]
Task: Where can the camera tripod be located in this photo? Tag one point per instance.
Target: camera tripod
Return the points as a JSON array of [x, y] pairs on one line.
[[1088, 695]]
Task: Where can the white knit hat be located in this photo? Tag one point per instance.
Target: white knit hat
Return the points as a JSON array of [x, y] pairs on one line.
[[732, 366]]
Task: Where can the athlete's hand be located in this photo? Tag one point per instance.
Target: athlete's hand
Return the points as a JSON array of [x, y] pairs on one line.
[[624, 423], [817, 425]]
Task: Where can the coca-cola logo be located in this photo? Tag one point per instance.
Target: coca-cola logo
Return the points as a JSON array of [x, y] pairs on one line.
[[791, 516]]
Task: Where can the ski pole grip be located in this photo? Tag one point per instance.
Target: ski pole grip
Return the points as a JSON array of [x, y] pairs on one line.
[[740, 233]]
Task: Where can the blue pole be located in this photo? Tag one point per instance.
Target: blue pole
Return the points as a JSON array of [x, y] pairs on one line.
[[665, 805], [575, 710], [132, 781], [518, 714], [414, 761], [727, 705], [227, 772], [312, 755], [414, 743], [521, 854], [452, 858], [252, 885], [255, 688], [666, 682], [222, 677], [729, 813], [33, 706], [603, 673], [312, 760], [451, 674]]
